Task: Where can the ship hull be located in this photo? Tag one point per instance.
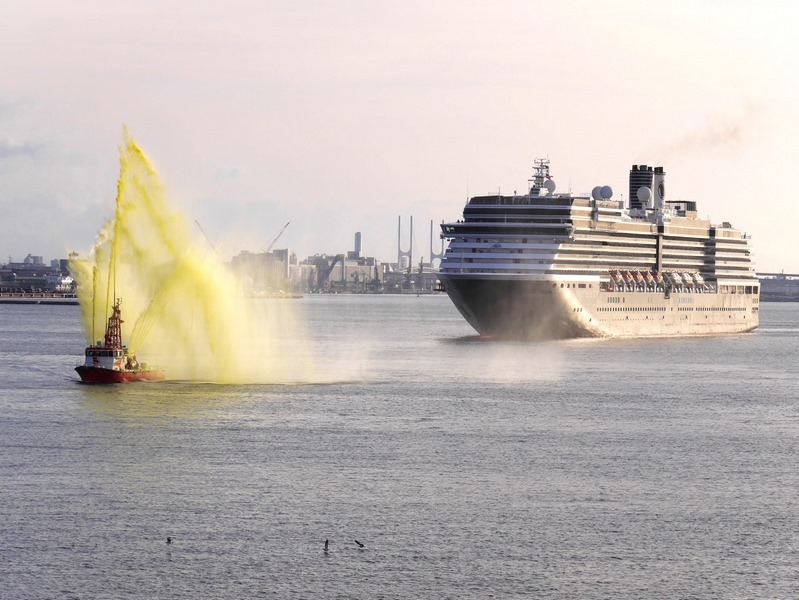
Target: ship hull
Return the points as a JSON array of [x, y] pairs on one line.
[[100, 375], [541, 309]]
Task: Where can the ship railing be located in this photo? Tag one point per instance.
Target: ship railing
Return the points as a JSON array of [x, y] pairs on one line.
[[660, 288]]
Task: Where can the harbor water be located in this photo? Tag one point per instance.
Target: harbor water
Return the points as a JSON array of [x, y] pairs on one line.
[[643, 468]]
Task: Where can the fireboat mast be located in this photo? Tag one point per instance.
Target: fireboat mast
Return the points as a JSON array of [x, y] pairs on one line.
[[112, 267]]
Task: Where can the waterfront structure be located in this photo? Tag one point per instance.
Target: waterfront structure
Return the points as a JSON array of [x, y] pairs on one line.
[[33, 276], [551, 265], [343, 273], [268, 272], [279, 272], [421, 280], [405, 276], [779, 287]]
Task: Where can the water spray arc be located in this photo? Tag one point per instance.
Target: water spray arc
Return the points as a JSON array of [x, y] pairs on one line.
[[183, 307]]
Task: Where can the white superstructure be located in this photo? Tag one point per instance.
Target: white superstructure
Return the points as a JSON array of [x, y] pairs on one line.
[[550, 265]]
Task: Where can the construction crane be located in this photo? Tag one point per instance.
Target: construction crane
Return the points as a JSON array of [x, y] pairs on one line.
[[277, 237], [210, 243]]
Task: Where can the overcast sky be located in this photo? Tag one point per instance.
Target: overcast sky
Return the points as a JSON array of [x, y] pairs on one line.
[[341, 116]]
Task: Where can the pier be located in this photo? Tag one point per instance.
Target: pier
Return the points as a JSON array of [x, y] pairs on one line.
[[38, 298]]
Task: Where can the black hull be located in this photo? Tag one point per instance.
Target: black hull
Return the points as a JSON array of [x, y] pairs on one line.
[[514, 309]]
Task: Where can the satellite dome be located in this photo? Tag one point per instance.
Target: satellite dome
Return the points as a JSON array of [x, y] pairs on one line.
[[549, 185], [644, 194], [606, 192], [596, 193]]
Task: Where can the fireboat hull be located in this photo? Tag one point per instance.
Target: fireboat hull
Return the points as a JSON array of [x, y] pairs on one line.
[[101, 375]]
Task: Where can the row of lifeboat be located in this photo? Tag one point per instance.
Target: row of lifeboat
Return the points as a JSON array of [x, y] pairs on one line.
[[625, 280]]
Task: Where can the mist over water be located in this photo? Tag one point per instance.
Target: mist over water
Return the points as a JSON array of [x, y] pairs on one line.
[[182, 309]]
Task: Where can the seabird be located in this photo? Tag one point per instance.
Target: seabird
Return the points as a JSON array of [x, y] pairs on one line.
[[326, 542], [169, 540], [360, 545]]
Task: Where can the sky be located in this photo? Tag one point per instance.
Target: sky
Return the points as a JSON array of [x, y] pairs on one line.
[[343, 116]]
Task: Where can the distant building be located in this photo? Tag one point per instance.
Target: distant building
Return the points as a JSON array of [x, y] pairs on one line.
[[339, 273], [34, 275], [422, 279], [779, 287], [265, 272]]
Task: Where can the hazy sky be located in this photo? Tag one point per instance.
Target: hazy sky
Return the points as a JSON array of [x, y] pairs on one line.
[[340, 116]]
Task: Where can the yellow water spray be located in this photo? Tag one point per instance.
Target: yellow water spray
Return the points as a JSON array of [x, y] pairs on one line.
[[182, 309]]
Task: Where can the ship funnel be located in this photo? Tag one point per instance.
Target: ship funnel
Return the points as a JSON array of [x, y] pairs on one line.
[[640, 176], [659, 188]]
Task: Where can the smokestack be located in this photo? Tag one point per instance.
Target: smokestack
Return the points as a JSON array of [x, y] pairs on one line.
[[640, 176], [659, 188], [358, 243]]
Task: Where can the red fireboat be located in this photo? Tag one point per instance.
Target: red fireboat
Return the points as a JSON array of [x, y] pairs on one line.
[[109, 361]]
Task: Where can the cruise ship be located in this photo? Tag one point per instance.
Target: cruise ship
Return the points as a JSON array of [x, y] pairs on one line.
[[548, 265]]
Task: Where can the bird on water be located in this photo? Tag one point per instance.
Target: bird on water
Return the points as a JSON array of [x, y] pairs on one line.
[[326, 543], [169, 540], [360, 545]]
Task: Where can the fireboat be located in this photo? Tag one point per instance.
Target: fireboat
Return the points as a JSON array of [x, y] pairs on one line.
[[109, 360]]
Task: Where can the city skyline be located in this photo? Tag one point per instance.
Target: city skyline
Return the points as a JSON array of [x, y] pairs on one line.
[[276, 248], [340, 119]]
